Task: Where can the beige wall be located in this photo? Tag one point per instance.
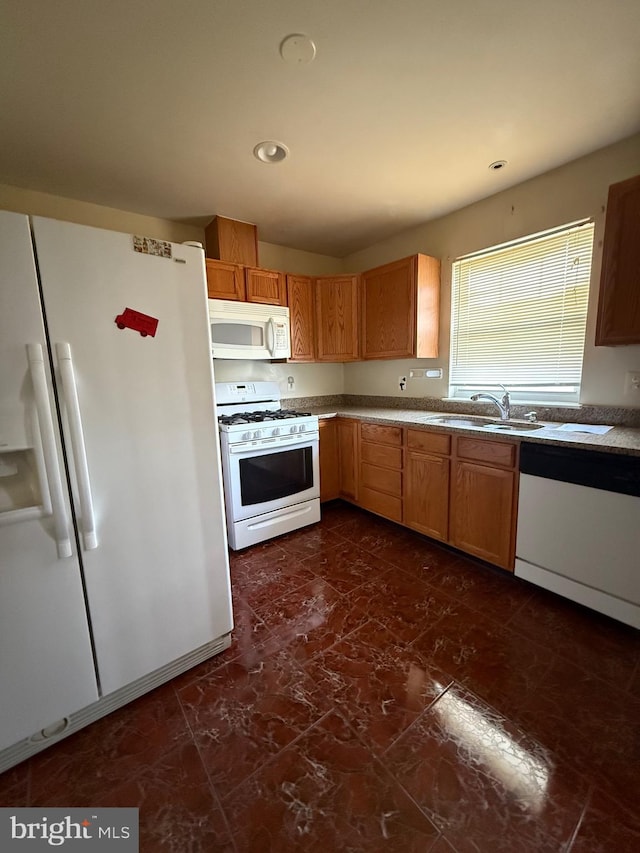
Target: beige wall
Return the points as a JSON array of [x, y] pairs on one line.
[[70, 210], [572, 192], [309, 379], [272, 257], [84, 213]]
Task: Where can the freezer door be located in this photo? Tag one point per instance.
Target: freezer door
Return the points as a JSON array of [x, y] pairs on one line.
[[149, 503], [46, 664]]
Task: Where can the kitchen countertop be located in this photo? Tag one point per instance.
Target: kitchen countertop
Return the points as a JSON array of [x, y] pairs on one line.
[[624, 440]]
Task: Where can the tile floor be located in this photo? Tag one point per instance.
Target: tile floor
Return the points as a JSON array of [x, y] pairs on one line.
[[381, 694]]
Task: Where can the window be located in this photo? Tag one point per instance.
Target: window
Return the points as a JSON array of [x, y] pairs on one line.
[[518, 317]]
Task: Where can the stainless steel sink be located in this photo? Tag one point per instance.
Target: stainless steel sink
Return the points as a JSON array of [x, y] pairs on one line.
[[513, 427], [480, 423], [458, 420]]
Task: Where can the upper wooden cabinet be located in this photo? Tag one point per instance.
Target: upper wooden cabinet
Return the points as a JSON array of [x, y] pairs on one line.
[[400, 309], [619, 304], [245, 284], [302, 314], [265, 286], [230, 240], [337, 318], [225, 280]]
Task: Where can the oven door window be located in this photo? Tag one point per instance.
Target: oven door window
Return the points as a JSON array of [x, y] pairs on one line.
[[272, 476]]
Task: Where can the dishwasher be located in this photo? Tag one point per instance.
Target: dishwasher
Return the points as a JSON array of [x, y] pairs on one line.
[[578, 530]]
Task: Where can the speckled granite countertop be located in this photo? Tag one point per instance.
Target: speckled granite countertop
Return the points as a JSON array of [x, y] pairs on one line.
[[625, 440]]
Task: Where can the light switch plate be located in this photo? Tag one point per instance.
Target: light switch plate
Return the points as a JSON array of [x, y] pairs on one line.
[[632, 383]]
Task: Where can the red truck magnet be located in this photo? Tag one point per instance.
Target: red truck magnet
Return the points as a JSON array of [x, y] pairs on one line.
[[143, 323]]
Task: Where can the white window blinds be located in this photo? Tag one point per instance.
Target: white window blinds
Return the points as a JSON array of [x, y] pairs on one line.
[[518, 316]]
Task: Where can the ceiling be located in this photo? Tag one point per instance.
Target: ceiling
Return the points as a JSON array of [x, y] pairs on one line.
[[155, 106]]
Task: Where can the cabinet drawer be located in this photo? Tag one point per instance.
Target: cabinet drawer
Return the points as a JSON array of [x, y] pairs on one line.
[[381, 478], [380, 503], [492, 452], [381, 454], [381, 434], [430, 442]]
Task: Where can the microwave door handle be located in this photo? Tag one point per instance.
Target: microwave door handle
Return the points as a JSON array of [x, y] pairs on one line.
[[271, 336]]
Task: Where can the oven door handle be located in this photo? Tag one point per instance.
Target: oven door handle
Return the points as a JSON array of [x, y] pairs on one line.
[[310, 440]]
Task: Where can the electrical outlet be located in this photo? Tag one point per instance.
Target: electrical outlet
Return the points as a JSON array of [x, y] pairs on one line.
[[632, 383], [402, 383]]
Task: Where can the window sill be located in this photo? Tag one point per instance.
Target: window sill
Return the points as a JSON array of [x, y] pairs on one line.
[[541, 403]]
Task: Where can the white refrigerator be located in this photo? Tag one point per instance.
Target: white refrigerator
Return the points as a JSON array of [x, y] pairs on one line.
[[114, 572]]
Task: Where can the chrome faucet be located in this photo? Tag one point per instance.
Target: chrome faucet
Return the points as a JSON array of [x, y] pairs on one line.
[[504, 405]]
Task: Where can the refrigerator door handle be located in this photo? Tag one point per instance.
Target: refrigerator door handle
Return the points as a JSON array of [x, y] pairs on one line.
[[70, 395], [49, 452]]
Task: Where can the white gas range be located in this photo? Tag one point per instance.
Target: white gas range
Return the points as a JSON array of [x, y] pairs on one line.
[[270, 463]]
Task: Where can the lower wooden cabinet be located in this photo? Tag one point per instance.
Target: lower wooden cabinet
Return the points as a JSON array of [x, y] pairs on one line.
[[483, 500], [347, 436], [329, 461], [457, 489], [426, 497], [462, 491], [381, 463]]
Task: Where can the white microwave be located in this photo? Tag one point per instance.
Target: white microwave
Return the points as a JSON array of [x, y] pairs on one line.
[[248, 330]]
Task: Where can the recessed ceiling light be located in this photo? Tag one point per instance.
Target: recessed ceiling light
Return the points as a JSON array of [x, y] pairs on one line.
[[271, 152], [497, 165], [297, 49]]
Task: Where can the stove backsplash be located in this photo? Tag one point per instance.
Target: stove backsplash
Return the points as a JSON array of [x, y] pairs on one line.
[[310, 380]]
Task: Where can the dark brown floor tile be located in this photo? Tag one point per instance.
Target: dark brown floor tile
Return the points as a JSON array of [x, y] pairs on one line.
[[484, 783], [326, 793], [14, 786], [336, 513], [266, 581], [442, 846], [346, 566], [76, 770], [346, 635], [403, 604], [310, 619], [607, 828], [369, 532], [380, 685], [264, 553], [240, 717], [593, 725], [494, 593], [247, 639], [494, 661], [587, 638], [178, 810], [421, 557], [310, 541], [634, 687]]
